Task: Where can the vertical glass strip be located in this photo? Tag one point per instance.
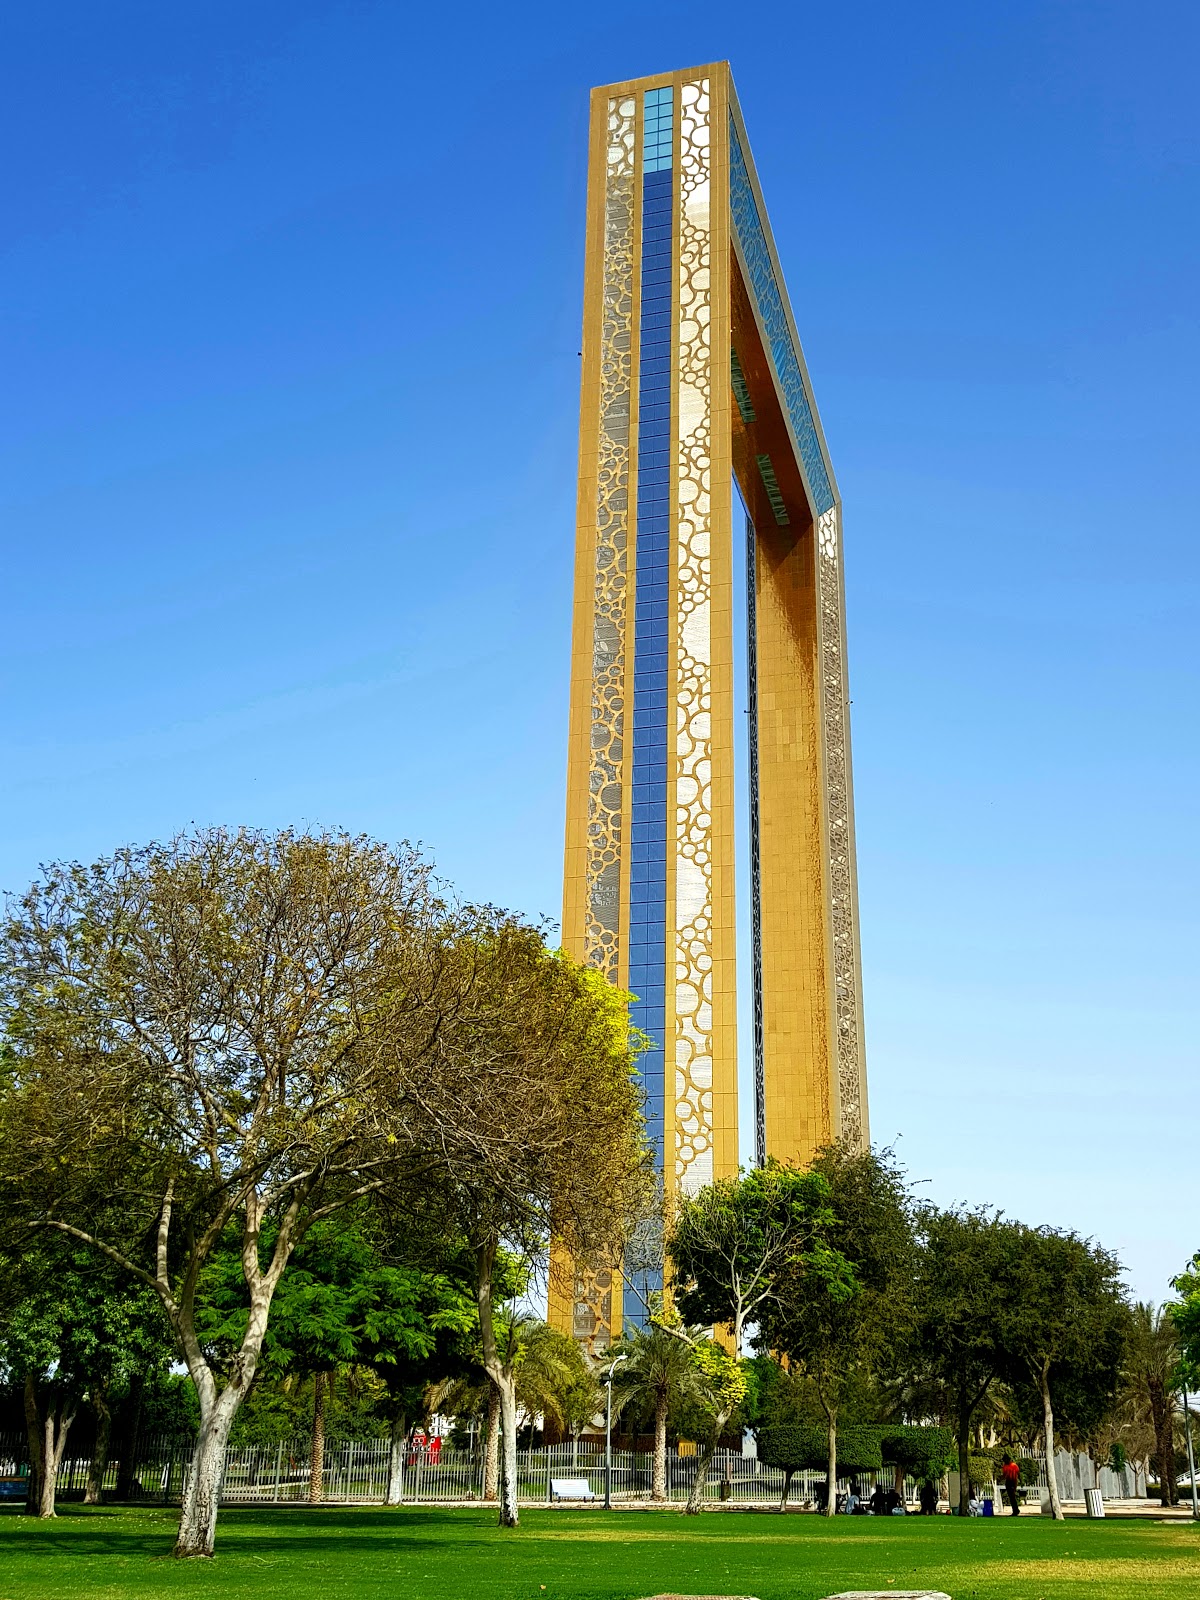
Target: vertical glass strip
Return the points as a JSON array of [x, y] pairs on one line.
[[652, 591], [769, 299]]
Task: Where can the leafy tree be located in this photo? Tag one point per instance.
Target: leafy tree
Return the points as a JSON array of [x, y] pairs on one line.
[[714, 1403], [731, 1247], [964, 1278], [536, 1081], [73, 1332], [799, 1447], [657, 1375], [222, 1031], [839, 1335], [1064, 1328], [342, 1304], [1152, 1379], [729, 1244], [554, 1381], [1185, 1314]]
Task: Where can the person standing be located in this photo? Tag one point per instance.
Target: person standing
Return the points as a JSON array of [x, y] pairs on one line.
[[1011, 1473]]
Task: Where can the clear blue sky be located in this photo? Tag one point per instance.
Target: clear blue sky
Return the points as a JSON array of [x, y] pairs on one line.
[[291, 299]]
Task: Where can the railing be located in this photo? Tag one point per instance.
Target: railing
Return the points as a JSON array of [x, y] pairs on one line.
[[356, 1472]]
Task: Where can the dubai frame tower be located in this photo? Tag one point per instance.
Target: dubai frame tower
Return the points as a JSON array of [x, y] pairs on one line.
[[696, 400]]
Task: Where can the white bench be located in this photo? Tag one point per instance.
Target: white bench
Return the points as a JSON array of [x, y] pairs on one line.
[[570, 1489]]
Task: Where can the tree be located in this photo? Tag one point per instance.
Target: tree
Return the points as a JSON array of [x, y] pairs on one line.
[[194, 1034], [342, 1303], [553, 1380], [731, 1246], [798, 1447], [1185, 1313], [1064, 1327], [1151, 1376], [536, 1089], [657, 1375], [836, 1336], [964, 1277], [74, 1330]]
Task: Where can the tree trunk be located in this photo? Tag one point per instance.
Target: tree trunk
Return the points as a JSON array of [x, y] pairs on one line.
[[831, 1468], [503, 1379], [659, 1490], [397, 1440], [1163, 1421], [508, 1441], [33, 1437], [129, 1438], [47, 1432], [316, 1460], [1172, 1478], [695, 1499], [1056, 1510], [57, 1426], [202, 1486], [964, 1457], [94, 1493], [491, 1447], [787, 1489]]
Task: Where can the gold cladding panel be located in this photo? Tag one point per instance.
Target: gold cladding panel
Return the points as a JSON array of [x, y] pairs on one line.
[[795, 965]]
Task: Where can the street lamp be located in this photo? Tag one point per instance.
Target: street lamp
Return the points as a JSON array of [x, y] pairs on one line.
[[608, 1380]]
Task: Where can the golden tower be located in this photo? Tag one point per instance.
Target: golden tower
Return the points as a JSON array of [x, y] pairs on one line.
[[696, 399]]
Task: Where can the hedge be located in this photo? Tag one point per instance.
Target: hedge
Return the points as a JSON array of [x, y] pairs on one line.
[[922, 1452], [796, 1447]]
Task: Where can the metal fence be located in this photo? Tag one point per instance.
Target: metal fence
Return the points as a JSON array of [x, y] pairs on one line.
[[356, 1472]]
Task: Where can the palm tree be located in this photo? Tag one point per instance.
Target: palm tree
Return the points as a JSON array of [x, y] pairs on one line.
[[553, 1379], [657, 1375], [1150, 1376], [552, 1382]]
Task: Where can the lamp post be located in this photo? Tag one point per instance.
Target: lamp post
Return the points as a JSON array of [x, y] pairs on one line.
[[608, 1380]]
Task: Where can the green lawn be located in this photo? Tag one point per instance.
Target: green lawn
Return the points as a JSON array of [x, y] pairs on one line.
[[371, 1554]]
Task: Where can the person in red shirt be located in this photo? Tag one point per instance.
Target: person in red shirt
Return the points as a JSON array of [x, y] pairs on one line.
[[1011, 1473]]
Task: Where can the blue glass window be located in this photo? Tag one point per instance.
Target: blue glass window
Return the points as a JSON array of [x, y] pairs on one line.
[[652, 578], [767, 293], [658, 127]]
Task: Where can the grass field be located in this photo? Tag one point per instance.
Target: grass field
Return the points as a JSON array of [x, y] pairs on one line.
[[589, 1555]]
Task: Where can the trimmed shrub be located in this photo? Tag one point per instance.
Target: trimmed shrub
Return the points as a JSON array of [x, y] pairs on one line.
[[798, 1447], [922, 1452], [981, 1469]]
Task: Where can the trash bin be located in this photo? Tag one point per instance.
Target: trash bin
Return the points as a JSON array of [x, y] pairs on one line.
[[989, 1508], [1095, 1502]]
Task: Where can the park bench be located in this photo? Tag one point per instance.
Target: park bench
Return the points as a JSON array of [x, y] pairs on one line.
[[570, 1489]]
